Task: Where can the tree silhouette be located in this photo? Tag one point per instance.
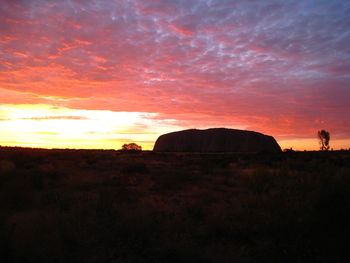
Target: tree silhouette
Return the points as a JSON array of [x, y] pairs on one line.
[[131, 147], [324, 138]]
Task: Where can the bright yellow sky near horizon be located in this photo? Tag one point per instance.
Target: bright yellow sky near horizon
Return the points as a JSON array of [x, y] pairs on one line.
[[58, 127], [47, 126]]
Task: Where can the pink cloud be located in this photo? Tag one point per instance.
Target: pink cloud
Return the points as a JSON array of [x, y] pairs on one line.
[[273, 69], [56, 118], [182, 31]]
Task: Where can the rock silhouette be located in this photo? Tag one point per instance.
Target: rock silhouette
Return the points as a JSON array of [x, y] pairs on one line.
[[216, 140]]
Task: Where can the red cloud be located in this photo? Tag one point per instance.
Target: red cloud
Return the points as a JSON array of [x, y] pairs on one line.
[[198, 63], [182, 31]]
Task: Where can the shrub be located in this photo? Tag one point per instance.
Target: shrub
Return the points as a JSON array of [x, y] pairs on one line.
[[131, 147]]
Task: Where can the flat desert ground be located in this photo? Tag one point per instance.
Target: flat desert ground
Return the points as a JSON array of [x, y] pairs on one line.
[[111, 206]]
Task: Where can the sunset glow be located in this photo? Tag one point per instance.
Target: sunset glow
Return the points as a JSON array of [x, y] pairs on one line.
[[43, 125], [101, 73]]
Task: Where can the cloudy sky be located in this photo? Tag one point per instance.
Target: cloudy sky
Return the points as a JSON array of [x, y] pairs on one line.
[[99, 73]]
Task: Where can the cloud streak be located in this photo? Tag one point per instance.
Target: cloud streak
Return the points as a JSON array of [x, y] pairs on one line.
[[280, 67], [56, 118]]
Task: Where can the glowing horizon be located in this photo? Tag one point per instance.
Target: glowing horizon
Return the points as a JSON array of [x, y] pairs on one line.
[[100, 73], [45, 126]]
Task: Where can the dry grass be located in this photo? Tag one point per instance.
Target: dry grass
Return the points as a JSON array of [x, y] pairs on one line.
[[107, 206]]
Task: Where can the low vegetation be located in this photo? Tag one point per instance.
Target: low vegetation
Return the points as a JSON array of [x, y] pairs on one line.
[[131, 147], [109, 206]]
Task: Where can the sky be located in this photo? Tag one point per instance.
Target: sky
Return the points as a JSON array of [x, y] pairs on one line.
[[101, 73]]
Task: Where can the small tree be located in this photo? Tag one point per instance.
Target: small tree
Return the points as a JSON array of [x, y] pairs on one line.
[[324, 138], [131, 147]]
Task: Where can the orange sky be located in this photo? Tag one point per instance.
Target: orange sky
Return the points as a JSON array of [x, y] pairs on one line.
[[101, 73]]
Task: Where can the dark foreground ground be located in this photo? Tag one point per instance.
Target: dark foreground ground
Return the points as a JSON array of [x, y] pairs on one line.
[[107, 206]]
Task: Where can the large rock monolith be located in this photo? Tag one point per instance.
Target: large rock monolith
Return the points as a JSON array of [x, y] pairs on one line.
[[216, 140]]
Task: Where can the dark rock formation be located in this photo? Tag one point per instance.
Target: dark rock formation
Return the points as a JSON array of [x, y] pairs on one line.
[[216, 140]]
